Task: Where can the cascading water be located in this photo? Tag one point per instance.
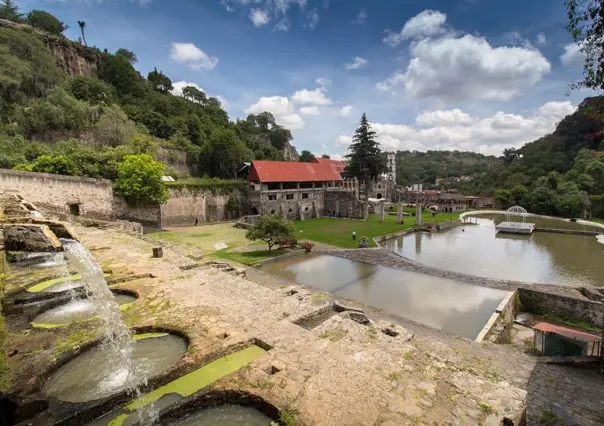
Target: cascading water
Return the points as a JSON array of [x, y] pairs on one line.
[[117, 341]]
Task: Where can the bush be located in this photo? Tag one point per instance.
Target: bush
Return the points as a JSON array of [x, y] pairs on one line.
[[45, 21], [139, 180], [58, 165], [92, 90], [114, 127]]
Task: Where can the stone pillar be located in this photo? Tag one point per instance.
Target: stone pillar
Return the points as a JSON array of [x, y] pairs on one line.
[[418, 214], [399, 214], [349, 212], [366, 211], [337, 208], [281, 186], [383, 212]]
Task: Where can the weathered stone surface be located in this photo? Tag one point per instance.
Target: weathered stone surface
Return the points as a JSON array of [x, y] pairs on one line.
[[60, 229], [31, 238]]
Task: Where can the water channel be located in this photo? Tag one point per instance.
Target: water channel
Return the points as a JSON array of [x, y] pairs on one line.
[[545, 258], [444, 304], [226, 415]]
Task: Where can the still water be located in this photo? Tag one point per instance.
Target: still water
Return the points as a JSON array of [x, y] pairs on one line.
[[444, 304], [538, 258], [226, 415], [76, 381]]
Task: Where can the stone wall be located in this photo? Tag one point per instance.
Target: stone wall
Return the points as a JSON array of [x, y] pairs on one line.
[[344, 204], [94, 196], [541, 303], [186, 205], [499, 327], [148, 215]]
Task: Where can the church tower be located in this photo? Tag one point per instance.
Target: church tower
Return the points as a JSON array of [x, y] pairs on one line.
[[391, 164]]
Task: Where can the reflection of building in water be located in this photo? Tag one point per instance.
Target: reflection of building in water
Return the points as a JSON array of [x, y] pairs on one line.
[[418, 242]]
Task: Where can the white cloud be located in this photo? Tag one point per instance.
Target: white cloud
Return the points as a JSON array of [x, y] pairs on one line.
[[345, 110], [425, 24], [541, 39], [443, 118], [323, 82], [313, 18], [313, 97], [179, 85], [259, 17], [467, 67], [360, 19], [310, 110], [572, 56], [456, 129], [282, 108], [343, 141], [356, 63], [193, 56], [283, 25], [323, 146]]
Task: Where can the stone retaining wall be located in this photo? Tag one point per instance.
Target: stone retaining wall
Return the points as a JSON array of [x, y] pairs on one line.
[[499, 326], [539, 302], [568, 231]]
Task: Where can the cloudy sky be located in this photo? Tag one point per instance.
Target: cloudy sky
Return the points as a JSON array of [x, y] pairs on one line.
[[479, 75]]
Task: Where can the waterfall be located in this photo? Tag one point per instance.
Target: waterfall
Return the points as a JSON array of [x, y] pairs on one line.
[[126, 374]]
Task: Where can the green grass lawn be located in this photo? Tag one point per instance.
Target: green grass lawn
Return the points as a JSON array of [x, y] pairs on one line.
[[338, 232], [249, 257]]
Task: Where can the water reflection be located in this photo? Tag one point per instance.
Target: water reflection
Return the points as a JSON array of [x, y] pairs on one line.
[[444, 304], [540, 258]]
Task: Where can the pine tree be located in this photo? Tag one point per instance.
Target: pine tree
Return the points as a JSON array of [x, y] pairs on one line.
[[365, 161], [9, 10]]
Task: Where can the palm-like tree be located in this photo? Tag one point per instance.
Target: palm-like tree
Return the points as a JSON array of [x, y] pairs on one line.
[[82, 24]]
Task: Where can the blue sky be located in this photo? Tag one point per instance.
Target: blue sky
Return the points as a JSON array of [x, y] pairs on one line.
[[479, 75]]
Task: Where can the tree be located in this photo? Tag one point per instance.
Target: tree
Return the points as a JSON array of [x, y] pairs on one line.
[[91, 90], [510, 155], [543, 201], [586, 26], [128, 54], [327, 157], [272, 230], [9, 10], [504, 197], [519, 193], [306, 156], [222, 153], [159, 81], [117, 71], [114, 127], [365, 161], [139, 180], [82, 25], [193, 94], [45, 21]]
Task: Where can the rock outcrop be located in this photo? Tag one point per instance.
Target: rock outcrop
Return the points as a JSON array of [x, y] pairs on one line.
[[72, 57], [30, 238]]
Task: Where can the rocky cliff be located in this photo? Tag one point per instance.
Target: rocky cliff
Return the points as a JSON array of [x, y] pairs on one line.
[[73, 58]]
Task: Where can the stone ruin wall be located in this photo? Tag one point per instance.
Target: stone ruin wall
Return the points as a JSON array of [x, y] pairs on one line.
[[176, 159], [185, 205], [341, 202]]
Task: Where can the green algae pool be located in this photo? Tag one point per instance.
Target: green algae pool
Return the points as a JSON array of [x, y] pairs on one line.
[[183, 386]]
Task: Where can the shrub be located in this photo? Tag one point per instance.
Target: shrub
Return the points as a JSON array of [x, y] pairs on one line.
[[45, 21], [90, 89], [139, 180]]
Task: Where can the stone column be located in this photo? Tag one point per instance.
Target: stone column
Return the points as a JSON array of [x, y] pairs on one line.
[[349, 212], [337, 208], [399, 213], [418, 214], [383, 212], [366, 211]]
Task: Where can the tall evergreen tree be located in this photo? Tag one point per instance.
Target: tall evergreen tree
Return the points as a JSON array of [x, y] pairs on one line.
[[9, 10], [365, 161]]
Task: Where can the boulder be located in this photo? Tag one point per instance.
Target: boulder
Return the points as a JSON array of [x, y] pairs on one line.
[[60, 229], [31, 238]]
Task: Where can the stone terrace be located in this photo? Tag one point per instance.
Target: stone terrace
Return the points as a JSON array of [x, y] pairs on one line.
[[340, 373]]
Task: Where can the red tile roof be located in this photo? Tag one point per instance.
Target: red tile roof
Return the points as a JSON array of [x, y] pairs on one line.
[[286, 171], [338, 166], [566, 332]]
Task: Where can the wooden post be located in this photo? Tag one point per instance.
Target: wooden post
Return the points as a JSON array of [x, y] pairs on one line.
[[158, 252]]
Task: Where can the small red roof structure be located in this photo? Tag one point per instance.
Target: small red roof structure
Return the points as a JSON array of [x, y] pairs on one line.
[[566, 332], [336, 165], [287, 171]]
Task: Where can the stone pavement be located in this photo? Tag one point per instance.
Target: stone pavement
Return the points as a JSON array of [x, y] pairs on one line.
[[559, 394]]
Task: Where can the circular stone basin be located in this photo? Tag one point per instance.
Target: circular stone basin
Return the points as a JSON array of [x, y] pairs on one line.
[[226, 415], [93, 374], [57, 285], [76, 311]]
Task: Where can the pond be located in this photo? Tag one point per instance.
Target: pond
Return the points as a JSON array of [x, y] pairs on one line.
[[444, 304], [544, 258]]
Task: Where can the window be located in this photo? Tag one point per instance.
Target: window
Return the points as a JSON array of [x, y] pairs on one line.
[[289, 196], [74, 209], [272, 212], [305, 209], [290, 210], [305, 195], [272, 197]]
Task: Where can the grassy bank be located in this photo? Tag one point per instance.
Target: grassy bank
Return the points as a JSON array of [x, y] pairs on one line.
[[338, 232]]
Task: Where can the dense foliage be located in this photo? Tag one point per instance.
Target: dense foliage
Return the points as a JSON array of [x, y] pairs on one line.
[[365, 161], [272, 230], [95, 122], [139, 179]]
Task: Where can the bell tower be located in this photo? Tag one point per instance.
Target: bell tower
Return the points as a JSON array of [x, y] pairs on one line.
[[391, 164]]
